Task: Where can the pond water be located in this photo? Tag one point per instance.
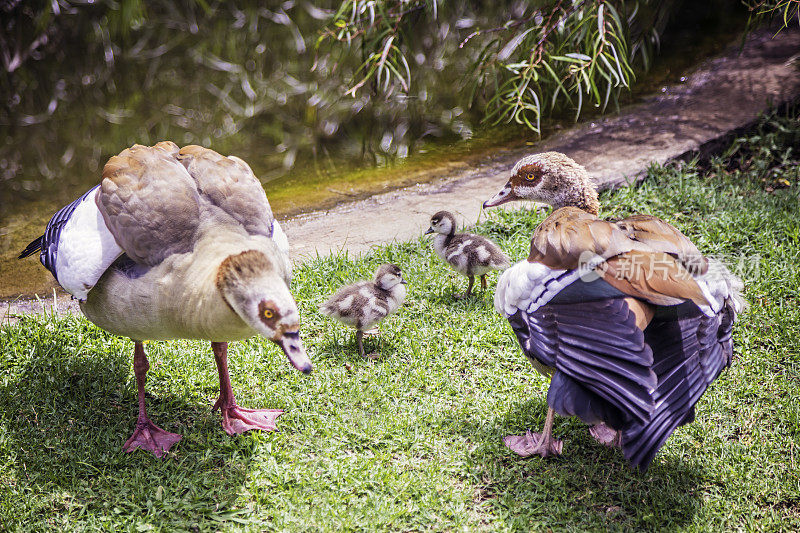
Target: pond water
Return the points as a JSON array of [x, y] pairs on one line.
[[247, 82], [243, 81]]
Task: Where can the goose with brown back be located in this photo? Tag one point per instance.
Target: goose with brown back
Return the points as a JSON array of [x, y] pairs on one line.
[[628, 319], [178, 243]]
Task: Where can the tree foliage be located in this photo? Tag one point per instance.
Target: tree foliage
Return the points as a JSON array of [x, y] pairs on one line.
[[546, 57], [786, 10]]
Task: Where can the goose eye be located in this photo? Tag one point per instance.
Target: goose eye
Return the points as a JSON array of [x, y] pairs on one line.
[[268, 313], [530, 177]]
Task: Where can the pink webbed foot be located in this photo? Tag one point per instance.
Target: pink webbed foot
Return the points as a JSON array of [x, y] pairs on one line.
[[606, 435], [152, 438], [237, 419], [533, 444]]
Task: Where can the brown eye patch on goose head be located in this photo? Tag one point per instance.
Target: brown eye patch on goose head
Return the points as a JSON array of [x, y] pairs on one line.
[[269, 314], [528, 175]]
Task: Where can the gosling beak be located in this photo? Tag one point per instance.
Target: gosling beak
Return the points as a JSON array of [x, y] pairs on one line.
[[506, 194], [430, 230], [292, 346]]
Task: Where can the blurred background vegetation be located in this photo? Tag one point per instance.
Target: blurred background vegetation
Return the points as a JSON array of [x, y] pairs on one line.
[[302, 88]]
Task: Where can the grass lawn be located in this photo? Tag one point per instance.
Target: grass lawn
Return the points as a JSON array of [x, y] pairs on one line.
[[411, 440]]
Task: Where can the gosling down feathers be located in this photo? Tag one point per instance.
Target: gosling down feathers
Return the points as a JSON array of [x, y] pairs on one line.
[[364, 304], [631, 322], [467, 254], [178, 244]]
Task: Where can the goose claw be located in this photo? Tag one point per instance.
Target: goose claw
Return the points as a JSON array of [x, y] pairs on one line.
[[533, 444]]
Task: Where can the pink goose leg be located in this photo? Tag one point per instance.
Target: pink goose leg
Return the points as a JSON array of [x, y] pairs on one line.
[[147, 435], [237, 419]]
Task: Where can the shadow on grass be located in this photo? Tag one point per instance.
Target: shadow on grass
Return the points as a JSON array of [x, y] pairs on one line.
[[343, 348], [452, 297], [590, 486], [67, 405]]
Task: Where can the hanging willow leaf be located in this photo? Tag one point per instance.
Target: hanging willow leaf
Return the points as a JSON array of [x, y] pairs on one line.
[[512, 45]]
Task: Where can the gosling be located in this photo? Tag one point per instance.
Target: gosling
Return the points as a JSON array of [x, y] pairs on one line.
[[364, 304], [467, 254]]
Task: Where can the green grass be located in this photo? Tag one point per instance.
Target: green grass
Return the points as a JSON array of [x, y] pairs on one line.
[[412, 439]]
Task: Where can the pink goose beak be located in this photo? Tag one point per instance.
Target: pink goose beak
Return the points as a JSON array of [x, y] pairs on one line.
[[506, 194], [292, 346]]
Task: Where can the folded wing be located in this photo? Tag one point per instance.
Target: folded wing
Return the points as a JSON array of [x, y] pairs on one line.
[[229, 184], [151, 203]]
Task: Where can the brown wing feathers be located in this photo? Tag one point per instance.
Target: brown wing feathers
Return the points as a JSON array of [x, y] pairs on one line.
[[131, 200], [229, 184], [151, 198], [652, 276], [663, 237], [639, 253], [569, 233]]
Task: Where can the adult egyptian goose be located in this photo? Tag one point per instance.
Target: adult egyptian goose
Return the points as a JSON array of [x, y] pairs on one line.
[[365, 303], [178, 243], [628, 318], [467, 254]]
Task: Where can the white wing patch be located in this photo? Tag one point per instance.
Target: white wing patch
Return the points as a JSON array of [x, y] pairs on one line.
[[523, 287], [282, 242], [345, 304], [457, 258], [719, 286], [86, 248], [280, 237], [528, 286]]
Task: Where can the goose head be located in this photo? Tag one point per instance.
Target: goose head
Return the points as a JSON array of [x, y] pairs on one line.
[[388, 276], [253, 287], [551, 178], [442, 222]]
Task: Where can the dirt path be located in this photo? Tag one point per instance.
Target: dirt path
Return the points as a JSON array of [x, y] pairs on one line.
[[718, 97]]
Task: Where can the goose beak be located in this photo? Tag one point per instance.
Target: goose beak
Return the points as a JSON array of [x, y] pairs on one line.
[[506, 194], [292, 346], [430, 230]]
